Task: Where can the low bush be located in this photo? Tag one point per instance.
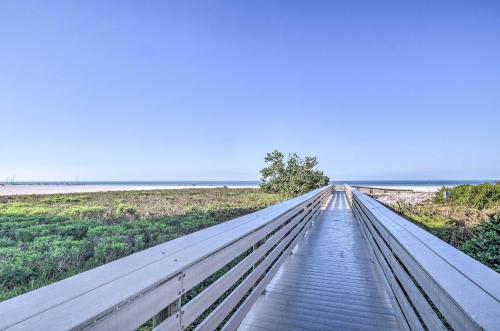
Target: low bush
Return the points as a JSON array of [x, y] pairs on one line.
[[484, 244], [126, 211], [469, 219], [85, 212], [480, 196], [47, 238]]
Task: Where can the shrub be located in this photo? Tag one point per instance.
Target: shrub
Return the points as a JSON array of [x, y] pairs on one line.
[[23, 208], [124, 210], [484, 245], [6, 242], [65, 198], [480, 196], [85, 212], [109, 249]]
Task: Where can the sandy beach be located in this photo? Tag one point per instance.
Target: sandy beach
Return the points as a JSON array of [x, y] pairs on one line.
[[420, 194], [405, 198], [58, 189], [20, 189]]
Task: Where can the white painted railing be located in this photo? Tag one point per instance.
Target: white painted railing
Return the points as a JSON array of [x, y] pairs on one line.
[[433, 285], [374, 190], [122, 295]]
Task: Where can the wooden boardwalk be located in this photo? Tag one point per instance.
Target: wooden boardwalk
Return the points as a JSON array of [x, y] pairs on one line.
[[329, 283]]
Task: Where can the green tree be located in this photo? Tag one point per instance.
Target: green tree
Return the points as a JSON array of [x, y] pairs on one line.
[[292, 177]]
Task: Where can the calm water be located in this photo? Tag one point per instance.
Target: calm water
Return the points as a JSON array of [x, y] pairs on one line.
[[256, 183]]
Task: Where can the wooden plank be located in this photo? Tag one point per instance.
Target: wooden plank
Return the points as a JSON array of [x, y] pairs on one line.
[[136, 313], [425, 311]]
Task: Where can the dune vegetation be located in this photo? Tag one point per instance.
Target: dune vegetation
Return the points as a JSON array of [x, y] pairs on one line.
[[45, 238], [468, 218]]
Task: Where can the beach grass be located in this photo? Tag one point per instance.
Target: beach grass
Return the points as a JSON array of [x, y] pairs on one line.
[[45, 238]]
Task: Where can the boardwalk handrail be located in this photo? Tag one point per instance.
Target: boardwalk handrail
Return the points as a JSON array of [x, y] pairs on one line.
[[124, 294], [433, 285], [374, 190]]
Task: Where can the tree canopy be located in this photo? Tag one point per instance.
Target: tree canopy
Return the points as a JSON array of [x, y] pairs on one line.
[[292, 177]]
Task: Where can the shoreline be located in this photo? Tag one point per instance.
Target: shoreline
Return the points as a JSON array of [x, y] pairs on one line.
[[29, 189], [41, 189]]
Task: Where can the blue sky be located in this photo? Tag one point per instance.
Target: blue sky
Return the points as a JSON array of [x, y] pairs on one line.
[[201, 90]]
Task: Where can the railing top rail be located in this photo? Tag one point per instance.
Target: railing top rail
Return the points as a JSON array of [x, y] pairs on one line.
[[474, 287], [90, 295], [388, 189]]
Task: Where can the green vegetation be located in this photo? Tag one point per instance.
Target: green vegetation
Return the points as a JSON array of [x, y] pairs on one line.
[[480, 197], [292, 178], [484, 243], [468, 219], [47, 238]]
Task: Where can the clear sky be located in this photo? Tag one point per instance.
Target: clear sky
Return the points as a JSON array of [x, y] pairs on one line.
[[201, 90]]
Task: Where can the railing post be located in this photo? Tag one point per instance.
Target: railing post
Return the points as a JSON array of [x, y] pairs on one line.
[[172, 308], [166, 312]]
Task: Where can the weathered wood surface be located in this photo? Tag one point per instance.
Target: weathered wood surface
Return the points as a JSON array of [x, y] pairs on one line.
[[124, 294], [328, 283], [434, 285]]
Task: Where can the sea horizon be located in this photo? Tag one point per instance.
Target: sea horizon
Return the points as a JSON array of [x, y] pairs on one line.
[[420, 182]]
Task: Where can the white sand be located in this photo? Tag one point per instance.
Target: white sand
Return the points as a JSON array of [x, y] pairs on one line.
[[406, 198], [52, 189], [420, 194]]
